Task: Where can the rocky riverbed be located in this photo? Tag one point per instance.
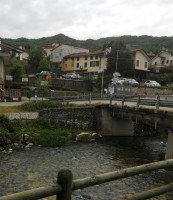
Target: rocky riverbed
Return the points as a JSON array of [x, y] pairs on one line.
[[38, 166]]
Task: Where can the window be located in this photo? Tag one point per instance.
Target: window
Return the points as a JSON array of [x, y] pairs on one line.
[[91, 64], [97, 63], [145, 65], [56, 54], [77, 65], [167, 62], [96, 57], [65, 59], [137, 63], [162, 62], [85, 65], [77, 58], [72, 58], [86, 57], [91, 57], [155, 63]]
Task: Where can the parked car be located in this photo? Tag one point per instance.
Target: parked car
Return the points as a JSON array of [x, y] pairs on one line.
[[72, 75], [131, 82], [150, 83], [94, 77], [46, 73]]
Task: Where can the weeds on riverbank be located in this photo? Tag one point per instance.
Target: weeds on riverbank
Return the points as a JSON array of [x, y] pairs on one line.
[[38, 132]]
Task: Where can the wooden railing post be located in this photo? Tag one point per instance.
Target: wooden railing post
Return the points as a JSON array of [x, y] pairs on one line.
[[65, 181], [138, 102], [89, 98], [157, 103], [110, 101], [123, 99]]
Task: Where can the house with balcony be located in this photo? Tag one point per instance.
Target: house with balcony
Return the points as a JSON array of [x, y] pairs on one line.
[[85, 63]]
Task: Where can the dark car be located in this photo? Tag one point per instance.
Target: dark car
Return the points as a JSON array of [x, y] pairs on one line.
[[46, 73], [131, 82]]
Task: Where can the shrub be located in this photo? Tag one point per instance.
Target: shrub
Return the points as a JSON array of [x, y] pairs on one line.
[[50, 138], [41, 123], [5, 123]]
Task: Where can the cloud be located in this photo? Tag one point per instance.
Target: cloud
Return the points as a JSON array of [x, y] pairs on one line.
[[85, 19]]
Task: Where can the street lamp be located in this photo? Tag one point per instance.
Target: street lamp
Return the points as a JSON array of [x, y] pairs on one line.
[[117, 61]]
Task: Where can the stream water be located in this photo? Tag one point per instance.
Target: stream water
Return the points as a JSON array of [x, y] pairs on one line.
[[27, 169]]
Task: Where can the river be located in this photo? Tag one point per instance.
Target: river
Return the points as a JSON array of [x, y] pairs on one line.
[[38, 166]]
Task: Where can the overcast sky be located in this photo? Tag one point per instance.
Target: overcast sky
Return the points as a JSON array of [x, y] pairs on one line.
[[84, 19]]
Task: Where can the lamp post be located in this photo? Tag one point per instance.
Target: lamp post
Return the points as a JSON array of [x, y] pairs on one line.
[[117, 61]]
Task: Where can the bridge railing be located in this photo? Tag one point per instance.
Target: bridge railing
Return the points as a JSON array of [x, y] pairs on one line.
[[65, 185]]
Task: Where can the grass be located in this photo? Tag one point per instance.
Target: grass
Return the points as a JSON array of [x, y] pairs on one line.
[[10, 109], [38, 131]]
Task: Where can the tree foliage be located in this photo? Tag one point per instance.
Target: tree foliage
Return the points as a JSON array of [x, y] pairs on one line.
[[35, 56], [44, 65], [17, 68], [120, 59]]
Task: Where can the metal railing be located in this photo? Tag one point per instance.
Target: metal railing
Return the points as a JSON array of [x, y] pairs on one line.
[[65, 185], [139, 100]]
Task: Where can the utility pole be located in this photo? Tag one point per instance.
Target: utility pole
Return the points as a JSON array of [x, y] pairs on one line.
[[102, 83], [117, 61]]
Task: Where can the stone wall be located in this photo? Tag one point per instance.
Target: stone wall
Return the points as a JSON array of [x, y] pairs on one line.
[[78, 118], [151, 91]]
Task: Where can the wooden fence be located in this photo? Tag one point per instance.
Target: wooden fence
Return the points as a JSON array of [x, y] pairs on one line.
[[65, 185]]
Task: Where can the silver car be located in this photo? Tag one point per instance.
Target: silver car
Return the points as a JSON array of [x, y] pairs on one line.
[[151, 83]]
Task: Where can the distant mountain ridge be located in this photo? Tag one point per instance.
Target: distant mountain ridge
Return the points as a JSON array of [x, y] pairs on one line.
[[145, 42]]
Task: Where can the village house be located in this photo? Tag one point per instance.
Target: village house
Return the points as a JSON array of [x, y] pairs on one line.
[[141, 62], [164, 58], [89, 63], [7, 51], [48, 47], [58, 53]]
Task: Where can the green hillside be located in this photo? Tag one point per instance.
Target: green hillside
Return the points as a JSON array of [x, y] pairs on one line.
[[147, 43]]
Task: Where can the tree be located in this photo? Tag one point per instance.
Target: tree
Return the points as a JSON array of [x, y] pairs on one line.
[[35, 56], [17, 68], [44, 65], [120, 58]]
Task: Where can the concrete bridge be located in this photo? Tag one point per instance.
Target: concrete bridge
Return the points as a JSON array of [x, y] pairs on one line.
[[112, 120]]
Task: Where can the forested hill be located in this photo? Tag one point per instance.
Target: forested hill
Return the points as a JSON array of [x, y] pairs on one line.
[[147, 43]]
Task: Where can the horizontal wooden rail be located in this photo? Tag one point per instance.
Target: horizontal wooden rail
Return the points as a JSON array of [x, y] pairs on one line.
[[89, 181], [111, 176], [34, 194], [150, 193]]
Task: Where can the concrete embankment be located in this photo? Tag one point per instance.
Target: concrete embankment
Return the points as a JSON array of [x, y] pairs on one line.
[[28, 116]]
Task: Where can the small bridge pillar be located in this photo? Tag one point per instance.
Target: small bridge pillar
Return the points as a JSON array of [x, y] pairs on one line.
[[112, 125], [169, 149]]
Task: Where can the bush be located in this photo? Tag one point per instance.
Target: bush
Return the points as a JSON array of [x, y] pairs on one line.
[[5, 123], [49, 137], [41, 123]]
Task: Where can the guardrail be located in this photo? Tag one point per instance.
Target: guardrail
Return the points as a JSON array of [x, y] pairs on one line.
[[65, 185], [140, 100]]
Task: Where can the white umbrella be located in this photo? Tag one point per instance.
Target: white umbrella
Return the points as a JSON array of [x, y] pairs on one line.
[[116, 74]]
